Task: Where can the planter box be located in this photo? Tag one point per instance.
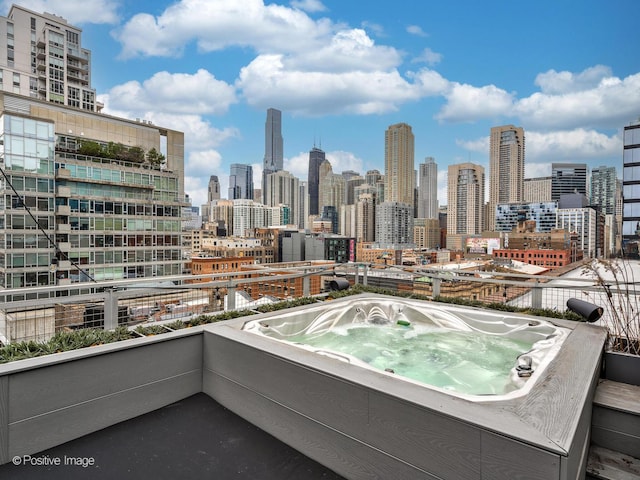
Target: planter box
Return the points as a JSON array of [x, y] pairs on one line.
[[622, 367]]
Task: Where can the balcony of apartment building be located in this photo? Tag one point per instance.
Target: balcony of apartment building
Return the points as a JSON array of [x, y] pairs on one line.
[[182, 397]]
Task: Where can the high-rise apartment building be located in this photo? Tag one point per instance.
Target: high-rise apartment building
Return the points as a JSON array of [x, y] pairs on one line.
[[247, 216], [41, 57], [603, 188], [366, 219], [273, 146], [86, 196], [399, 164], [631, 190], [567, 178], [426, 233], [240, 181], [394, 225], [283, 188], [537, 190], [316, 157], [465, 199], [506, 168], [428, 189]]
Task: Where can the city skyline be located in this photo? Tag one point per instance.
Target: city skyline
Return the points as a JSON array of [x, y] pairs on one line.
[[341, 75]]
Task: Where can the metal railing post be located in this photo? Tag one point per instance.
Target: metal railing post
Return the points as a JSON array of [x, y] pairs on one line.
[[306, 285], [110, 309], [435, 283], [231, 298], [536, 296]]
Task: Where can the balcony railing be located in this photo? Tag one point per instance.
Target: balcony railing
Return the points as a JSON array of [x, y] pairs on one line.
[[36, 313]]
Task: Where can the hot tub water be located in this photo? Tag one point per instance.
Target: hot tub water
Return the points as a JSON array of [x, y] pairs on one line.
[[465, 362]]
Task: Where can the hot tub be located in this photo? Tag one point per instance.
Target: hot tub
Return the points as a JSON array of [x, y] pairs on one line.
[[364, 422], [476, 354]]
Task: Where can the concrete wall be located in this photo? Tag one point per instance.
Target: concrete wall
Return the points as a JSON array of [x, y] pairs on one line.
[[51, 400]]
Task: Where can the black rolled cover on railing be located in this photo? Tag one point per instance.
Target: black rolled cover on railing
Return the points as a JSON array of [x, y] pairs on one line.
[[589, 311], [338, 284]]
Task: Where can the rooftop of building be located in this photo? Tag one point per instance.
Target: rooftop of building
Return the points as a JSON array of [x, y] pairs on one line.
[[193, 438]]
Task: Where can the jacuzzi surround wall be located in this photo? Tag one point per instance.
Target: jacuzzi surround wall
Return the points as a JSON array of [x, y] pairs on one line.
[[375, 312], [364, 424]]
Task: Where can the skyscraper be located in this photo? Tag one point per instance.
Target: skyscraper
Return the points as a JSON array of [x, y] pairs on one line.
[[428, 189], [283, 188], [240, 182], [399, 164], [213, 190], [568, 178], [316, 157], [42, 57], [273, 146], [631, 190], [603, 188], [506, 168], [465, 199]]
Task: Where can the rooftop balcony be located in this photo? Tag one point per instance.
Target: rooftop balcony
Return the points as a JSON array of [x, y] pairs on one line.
[[197, 401]]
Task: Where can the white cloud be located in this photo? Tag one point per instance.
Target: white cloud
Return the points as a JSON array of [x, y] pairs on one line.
[[570, 145], [200, 93], [553, 83], [480, 145], [266, 81], [197, 131], [429, 57], [309, 5], [375, 28], [215, 25], [199, 166], [560, 145], [443, 188], [416, 30], [74, 11], [341, 161], [347, 50], [298, 165], [536, 170], [466, 103], [611, 103], [203, 163]]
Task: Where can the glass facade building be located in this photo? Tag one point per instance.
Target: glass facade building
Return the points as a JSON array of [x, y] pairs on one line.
[[631, 190], [71, 218], [567, 178], [509, 215]]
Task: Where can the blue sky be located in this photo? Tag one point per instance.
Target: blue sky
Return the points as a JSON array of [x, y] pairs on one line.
[[568, 72]]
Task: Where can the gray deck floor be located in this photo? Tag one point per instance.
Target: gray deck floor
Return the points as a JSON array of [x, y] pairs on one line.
[[195, 438]]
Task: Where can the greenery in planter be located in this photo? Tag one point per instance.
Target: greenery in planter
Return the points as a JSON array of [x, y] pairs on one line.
[[617, 277], [63, 342], [147, 330], [118, 151]]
